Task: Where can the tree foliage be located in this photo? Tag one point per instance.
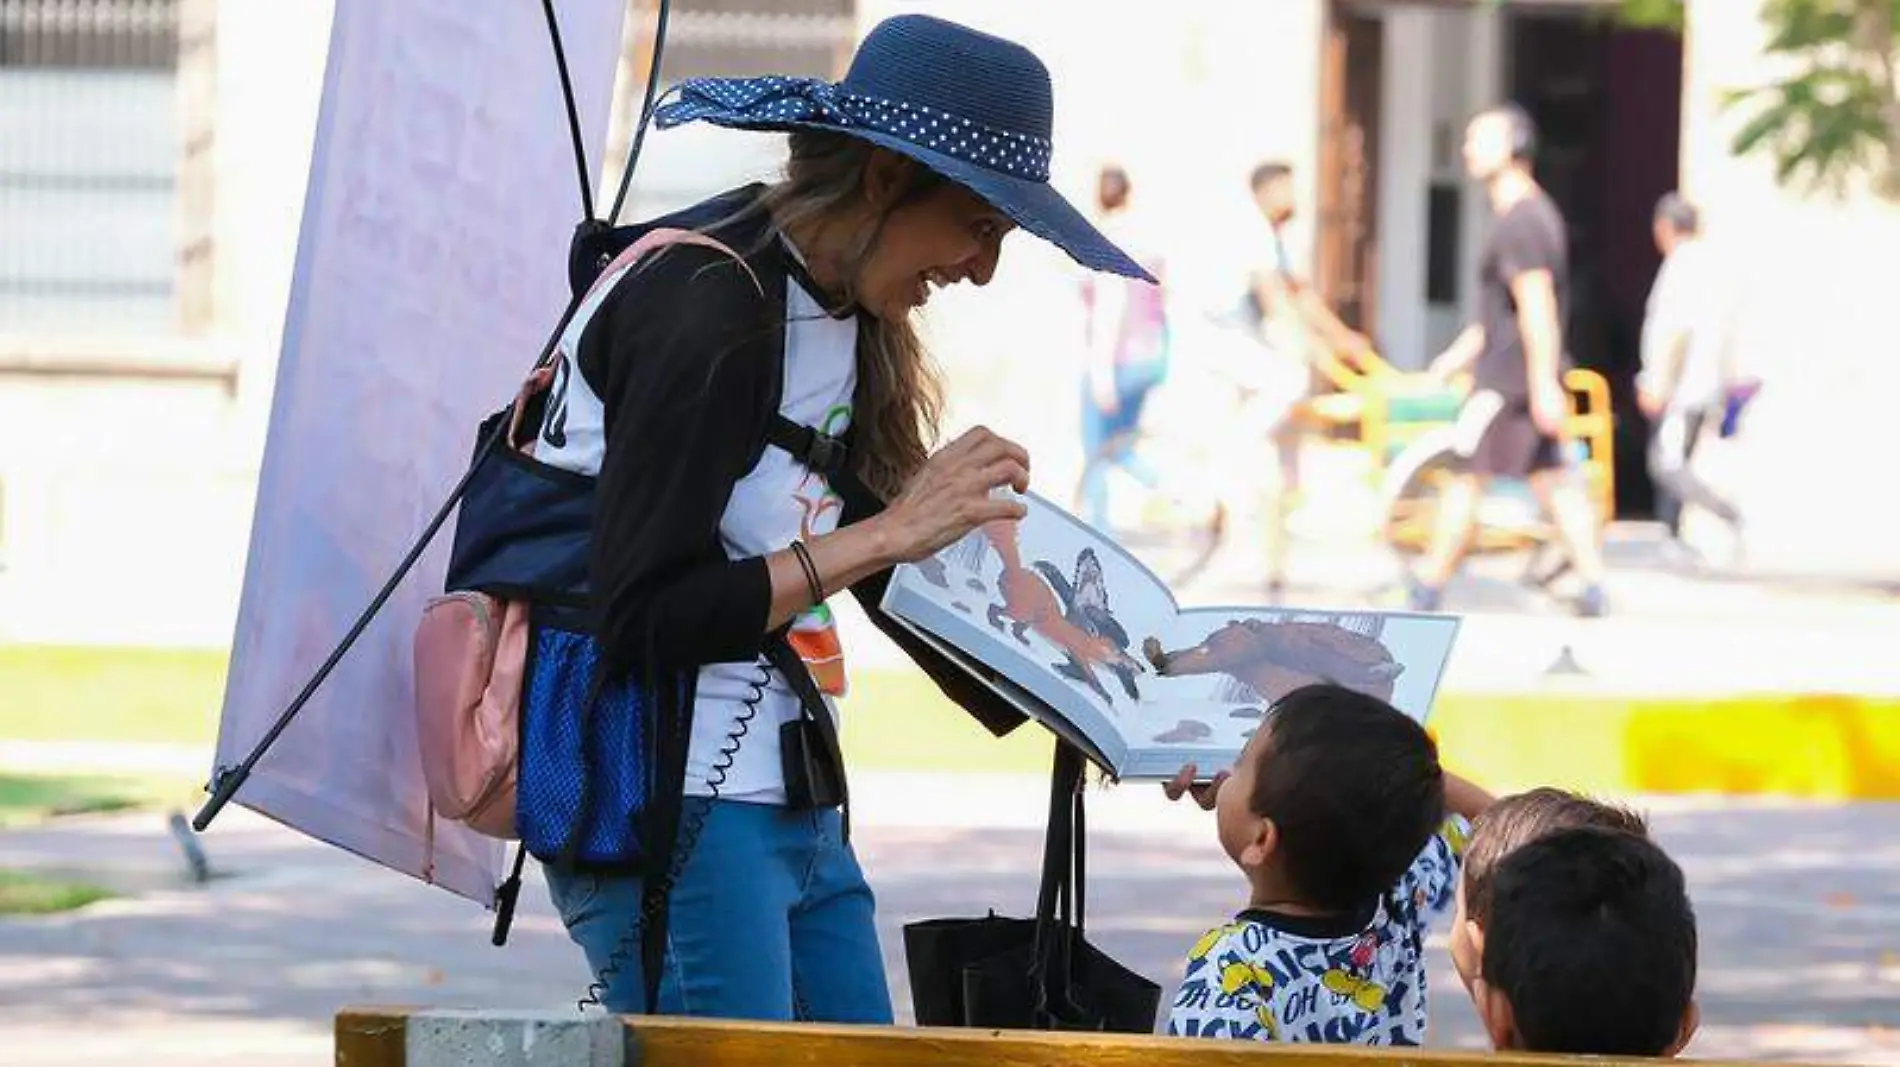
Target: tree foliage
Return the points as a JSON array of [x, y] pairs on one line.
[[1835, 113], [1652, 14]]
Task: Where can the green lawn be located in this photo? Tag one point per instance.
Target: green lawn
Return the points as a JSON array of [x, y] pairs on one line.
[[897, 720], [27, 894], [29, 799], [894, 720], [110, 694]]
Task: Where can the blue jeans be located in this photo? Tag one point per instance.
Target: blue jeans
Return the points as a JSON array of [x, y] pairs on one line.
[[771, 920], [1099, 428]]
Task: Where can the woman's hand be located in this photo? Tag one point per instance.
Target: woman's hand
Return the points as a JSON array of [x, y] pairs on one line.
[[951, 495], [1183, 785]]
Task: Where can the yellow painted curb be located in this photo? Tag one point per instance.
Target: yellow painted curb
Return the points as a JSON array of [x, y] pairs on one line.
[[1810, 745]]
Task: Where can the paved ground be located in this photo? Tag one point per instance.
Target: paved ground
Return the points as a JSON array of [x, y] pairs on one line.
[[1799, 909], [1799, 904]]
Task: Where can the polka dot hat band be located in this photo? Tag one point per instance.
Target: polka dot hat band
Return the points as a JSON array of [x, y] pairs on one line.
[[975, 108]]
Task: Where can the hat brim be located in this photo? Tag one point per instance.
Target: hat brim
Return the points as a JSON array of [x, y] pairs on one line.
[[1034, 206]]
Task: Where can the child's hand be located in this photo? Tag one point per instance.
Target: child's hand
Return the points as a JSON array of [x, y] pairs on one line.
[[1183, 784]]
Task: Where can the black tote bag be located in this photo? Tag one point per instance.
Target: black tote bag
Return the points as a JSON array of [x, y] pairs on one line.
[[997, 972]]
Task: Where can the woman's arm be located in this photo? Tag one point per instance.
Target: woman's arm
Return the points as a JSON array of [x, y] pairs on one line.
[[1464, 799], [684, 397], [1106, 313]]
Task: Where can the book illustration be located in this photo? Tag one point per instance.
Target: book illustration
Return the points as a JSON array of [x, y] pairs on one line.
[[1270, 658], [1071, 614], [1185, 732], [1078, 634], [934, 571]]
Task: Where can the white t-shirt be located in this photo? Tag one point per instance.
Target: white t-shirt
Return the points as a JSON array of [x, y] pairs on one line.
[[778, 501], [1692, 297]]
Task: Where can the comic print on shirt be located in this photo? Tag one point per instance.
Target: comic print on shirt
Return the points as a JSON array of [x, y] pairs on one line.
[[814, 635], [1252, 979]]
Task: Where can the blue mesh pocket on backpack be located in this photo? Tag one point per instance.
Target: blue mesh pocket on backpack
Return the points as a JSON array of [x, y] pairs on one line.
[[549, 791]]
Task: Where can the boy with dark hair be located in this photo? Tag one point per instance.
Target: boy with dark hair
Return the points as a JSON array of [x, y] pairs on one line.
[[1588, 947], [1336, 812], [1505, 827]]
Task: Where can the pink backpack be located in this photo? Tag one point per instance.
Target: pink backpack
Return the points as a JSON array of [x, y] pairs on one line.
[[471, 648]]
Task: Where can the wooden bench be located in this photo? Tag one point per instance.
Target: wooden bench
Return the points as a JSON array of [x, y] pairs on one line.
[[397, 1037]]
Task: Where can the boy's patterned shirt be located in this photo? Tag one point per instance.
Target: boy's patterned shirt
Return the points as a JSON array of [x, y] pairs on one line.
[[1268, 977]]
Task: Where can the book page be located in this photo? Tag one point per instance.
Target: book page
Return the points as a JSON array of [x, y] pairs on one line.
[[1053, 606], [1218, 672]]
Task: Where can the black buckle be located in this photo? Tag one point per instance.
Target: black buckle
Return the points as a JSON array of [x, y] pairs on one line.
[[824, 453], [818, 452]]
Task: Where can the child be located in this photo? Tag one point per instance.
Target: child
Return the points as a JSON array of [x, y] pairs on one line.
[[1588, 947], [1336, 813], [1507, 826]]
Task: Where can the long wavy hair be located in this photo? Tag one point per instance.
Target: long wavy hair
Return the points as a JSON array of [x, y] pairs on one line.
[[897, 409]]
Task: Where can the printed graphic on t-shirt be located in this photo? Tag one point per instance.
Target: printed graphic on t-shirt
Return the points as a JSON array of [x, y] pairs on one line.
[[814, 635], [1251, 980]]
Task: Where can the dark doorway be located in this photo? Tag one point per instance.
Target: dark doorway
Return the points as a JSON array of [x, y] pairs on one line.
[[1607, 104], [1350, 86]]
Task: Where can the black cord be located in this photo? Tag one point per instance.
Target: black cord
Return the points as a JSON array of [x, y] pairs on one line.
[[573, 114], [646, 113], [693, 825]]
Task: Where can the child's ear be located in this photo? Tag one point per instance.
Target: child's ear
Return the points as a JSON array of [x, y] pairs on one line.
[[1467, 952], [1500, 1023], [1260, 849], [1691, 1019]]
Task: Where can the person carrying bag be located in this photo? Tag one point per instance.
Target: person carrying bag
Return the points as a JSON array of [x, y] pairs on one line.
[[742, 425]]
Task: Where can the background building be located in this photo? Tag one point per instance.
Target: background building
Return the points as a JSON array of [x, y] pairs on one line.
[[153, 154]]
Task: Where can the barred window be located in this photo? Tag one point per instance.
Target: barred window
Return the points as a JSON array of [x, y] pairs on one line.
[[89, 34], [89, 158]]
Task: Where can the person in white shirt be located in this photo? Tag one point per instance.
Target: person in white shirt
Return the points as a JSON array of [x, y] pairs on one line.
[[1685, 367], [1293, 320]]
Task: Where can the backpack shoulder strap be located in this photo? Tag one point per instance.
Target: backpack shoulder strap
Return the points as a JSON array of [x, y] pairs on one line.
[[816, 451], [542, 377], [655, 239]]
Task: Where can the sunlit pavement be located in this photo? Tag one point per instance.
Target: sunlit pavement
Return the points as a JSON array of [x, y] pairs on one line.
[[1799, 904], [1799, 908]]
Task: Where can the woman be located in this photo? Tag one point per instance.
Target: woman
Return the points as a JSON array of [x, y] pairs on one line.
[[1126, 346], [714, 536]]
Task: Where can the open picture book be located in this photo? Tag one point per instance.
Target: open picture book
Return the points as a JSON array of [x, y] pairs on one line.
[[1077, 633]]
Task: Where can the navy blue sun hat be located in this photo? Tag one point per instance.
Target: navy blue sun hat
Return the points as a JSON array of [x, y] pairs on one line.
[[975, 108]]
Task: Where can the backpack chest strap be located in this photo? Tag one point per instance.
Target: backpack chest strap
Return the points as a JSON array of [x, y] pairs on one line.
[[818, 452]]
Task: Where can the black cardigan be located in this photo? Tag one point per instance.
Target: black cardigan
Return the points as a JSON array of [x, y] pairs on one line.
[[687, 358]]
